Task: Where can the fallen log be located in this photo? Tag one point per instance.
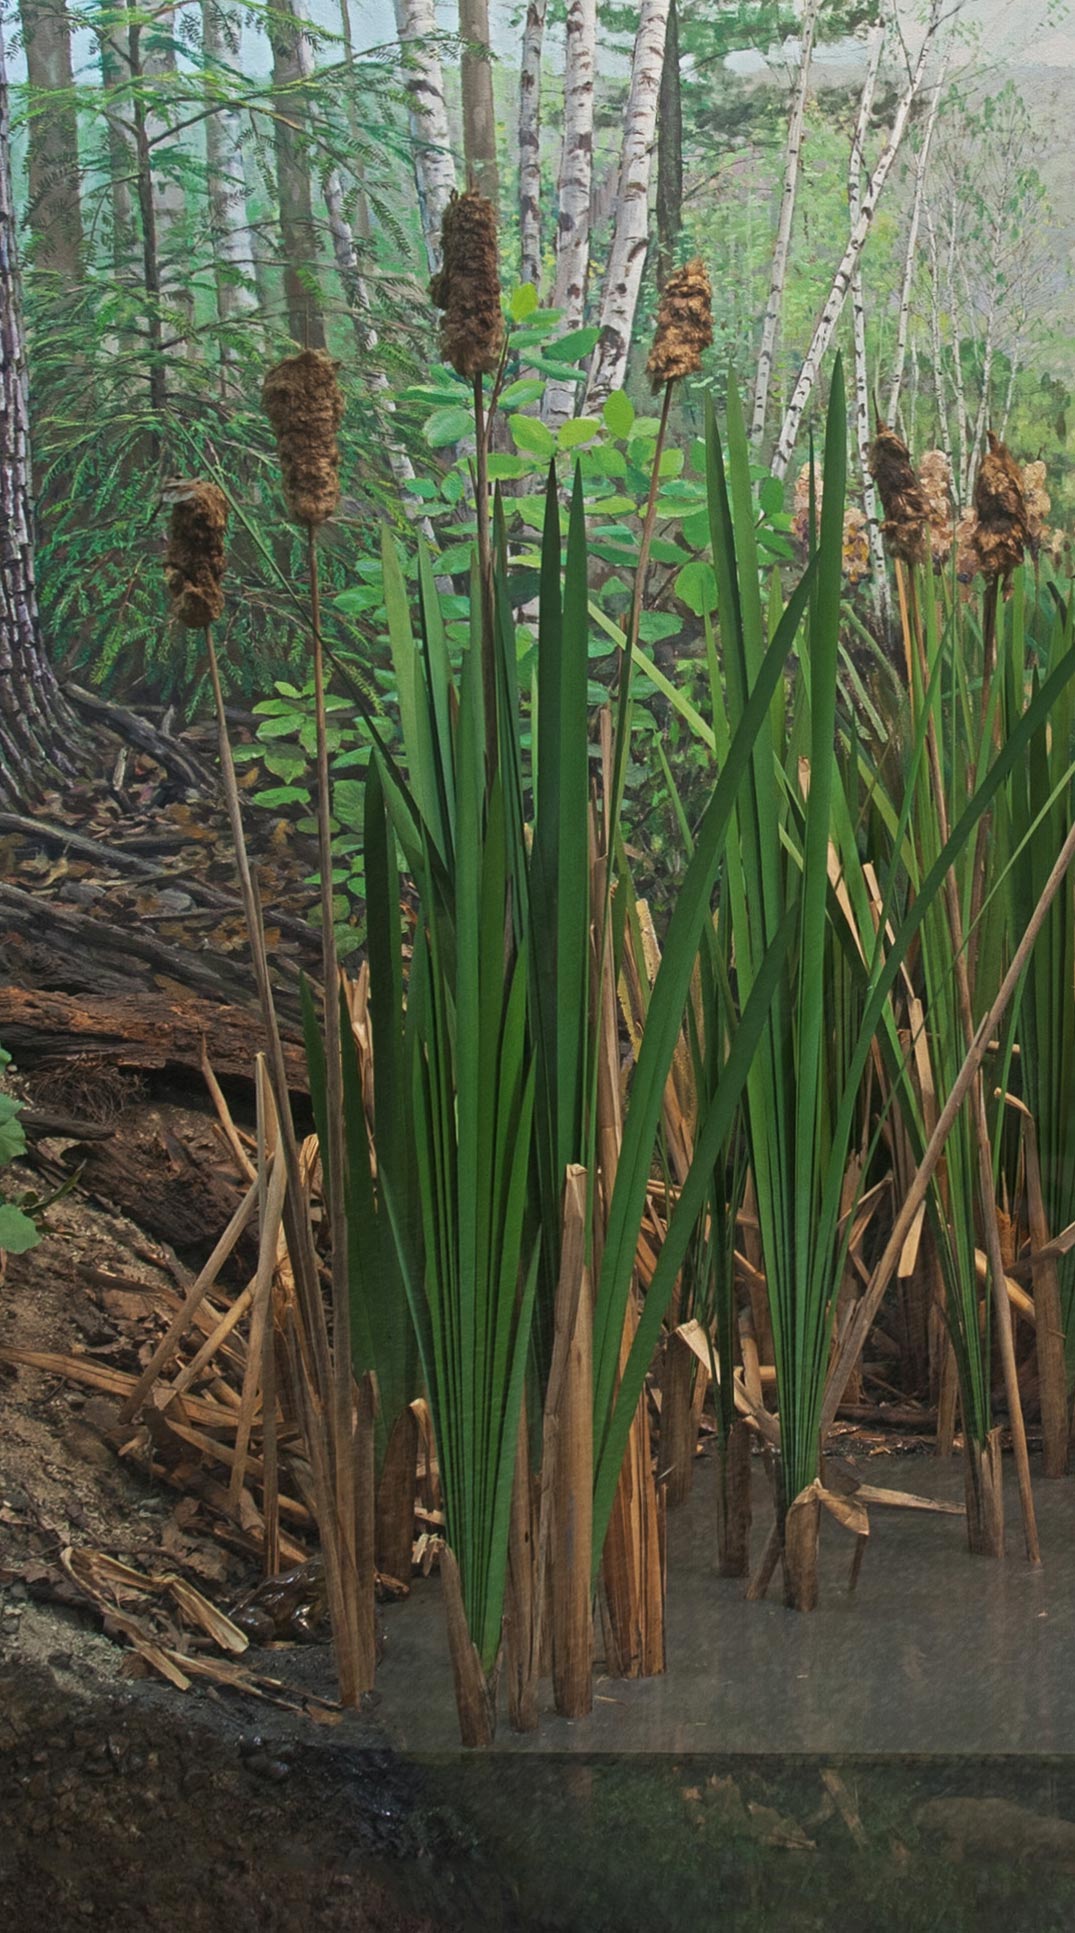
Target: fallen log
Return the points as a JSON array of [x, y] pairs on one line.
[[139, 1031]]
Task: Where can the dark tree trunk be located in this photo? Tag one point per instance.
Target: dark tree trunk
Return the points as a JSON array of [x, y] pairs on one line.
[[669, 153], [55, 214], [33, 718], [479, 114], [298, 230]]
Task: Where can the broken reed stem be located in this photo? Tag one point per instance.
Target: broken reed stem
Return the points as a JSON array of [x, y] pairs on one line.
[[986, 1191], [316, 1384]]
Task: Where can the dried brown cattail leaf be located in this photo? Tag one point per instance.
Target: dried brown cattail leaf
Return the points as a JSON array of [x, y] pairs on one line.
[[194, 559], [935, 476], [1003, 532], [467, 287], [856, 546], [1038, 505], [304, 403], [968, 556], [684, 325], [902, 496]]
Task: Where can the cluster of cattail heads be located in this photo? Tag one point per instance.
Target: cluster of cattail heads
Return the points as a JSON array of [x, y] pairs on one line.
[[467, 287], [304, 403], [935, 477], [856, 535], [684, 325], [902, 496], [1003, 528], [194, 559], [1038, 505]]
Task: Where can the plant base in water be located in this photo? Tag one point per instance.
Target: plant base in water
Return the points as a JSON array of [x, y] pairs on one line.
[[802, 1530], [395, 1498], [983, 1486], [683, 1383], [733, 1502], [475, 1694]]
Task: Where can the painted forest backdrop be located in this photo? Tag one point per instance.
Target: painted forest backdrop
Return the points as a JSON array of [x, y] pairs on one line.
[[197, 184]]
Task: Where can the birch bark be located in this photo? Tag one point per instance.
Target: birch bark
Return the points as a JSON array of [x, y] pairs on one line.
[[903, 324], [785, 221], [841, 283], [576, 185], [233, 242], [434, 164], [858, 315], [530, 143], [627, 257]]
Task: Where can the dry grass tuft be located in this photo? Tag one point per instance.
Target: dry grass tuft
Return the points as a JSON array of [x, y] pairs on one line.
[[467, 288], [304, 403]]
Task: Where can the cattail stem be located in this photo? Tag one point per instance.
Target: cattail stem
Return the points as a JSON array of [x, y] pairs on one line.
[[485, 569], [356, 1588], [634, 621]]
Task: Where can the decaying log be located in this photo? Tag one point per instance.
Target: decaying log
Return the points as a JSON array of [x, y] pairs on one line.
[[137, 1030]]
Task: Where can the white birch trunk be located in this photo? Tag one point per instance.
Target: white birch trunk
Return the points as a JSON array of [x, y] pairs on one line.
[[785, 222], [530, 143], [858, 317], [841, 282], [233, 241], [630, 235], [434, 163], [982, 416], [935, 343], [576, 186], [903, 325]]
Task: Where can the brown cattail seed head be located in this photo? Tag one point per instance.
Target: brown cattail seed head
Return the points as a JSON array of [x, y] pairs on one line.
[[1003, 531], [904, 501], [304, 403], [935, 476], [856, 546], [800, 522], [467, 288], [969, 563], [1038, 505], [684, 325], [194, 559]]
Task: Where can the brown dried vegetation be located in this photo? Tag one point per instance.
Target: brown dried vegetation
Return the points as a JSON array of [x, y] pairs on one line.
[[194, 560], [304, 403], [684, 325], [467, 288]]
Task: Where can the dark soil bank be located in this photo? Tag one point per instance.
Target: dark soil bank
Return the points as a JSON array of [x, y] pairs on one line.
[[132, 1810]]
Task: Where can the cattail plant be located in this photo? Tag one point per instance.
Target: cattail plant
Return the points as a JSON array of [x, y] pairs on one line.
[[684, 325], [1000, 503], [194, 576], [902, 496], [302, 398], [935, 477]]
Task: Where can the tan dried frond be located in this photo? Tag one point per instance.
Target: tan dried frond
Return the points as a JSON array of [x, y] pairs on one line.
[[969, 563], [902, 496], [935, 476], [856, 545], [467, 287], [1003, 532], [1038, 505], [684, 325], [304, 403], [802, 489], [194, 559]]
